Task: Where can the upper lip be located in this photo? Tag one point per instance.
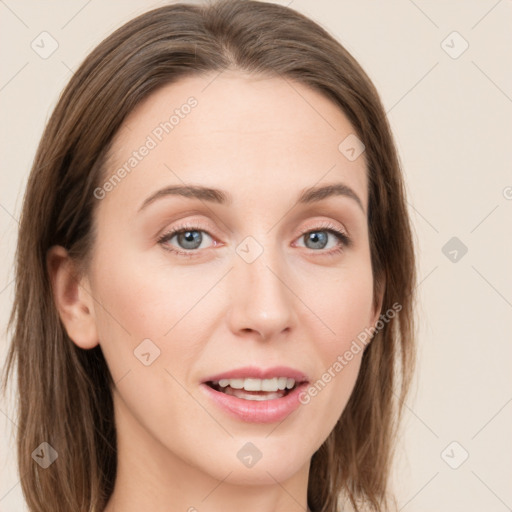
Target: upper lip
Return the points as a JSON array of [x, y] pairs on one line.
[[255, 372]]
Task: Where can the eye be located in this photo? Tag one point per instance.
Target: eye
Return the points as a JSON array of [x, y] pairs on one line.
[[318, 239], [188, 238]]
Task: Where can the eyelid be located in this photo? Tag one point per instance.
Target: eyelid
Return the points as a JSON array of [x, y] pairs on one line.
[[345, 239], [180, 227], [183, 226], [314, 225]]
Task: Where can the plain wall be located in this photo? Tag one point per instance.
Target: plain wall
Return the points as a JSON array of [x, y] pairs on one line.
[[452, 118]]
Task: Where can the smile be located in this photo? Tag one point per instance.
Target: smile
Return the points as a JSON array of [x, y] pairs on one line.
[[257, 396]]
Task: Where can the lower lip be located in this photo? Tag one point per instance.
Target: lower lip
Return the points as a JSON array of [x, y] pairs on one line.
[[256, 411]]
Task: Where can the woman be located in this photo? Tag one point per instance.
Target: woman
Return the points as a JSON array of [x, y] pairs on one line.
[[215, 274]]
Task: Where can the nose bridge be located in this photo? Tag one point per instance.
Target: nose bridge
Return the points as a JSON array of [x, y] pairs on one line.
[[262, 300]]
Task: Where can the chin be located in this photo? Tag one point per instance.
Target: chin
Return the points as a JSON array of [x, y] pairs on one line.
[[257, 460]]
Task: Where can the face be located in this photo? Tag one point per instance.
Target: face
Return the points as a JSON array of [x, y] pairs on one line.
[[256, 289]]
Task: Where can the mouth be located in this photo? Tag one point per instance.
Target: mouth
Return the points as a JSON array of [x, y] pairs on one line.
[[255, 389], [254, 395]]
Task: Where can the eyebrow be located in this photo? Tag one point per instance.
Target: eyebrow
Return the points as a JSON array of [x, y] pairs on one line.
[[307, 196]]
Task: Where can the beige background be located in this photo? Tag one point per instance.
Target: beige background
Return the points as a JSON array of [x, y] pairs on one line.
[[452, 118]]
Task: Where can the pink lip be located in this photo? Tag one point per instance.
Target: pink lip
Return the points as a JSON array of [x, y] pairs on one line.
[[253, 411]]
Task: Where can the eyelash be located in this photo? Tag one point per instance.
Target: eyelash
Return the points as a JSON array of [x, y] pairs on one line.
[[345, 241]]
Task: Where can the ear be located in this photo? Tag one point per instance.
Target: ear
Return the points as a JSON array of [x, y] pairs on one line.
[[72, 298]]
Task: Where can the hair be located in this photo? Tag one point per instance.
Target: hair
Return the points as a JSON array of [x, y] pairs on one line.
[[65, 392]]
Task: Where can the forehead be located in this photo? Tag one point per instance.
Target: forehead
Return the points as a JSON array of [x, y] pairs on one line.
[[246, 134]]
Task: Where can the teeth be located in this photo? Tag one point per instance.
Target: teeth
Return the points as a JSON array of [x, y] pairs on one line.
[[281, 382], [249, 384], [252, 385], [269, 384]]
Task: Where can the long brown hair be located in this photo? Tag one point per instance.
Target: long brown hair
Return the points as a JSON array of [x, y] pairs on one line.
[[64, 392]]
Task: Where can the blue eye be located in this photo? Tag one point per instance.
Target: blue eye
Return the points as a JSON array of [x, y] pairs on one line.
[[319, 238], [190, 238]]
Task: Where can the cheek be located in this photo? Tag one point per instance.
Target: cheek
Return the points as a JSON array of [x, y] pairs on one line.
[[148, 298], [342, 300], [148, 320], [345, 308]]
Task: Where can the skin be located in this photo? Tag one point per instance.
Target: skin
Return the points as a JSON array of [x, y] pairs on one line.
[[263, 141]]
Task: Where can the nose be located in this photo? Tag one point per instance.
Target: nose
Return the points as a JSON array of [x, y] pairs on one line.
[[262, 299]]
